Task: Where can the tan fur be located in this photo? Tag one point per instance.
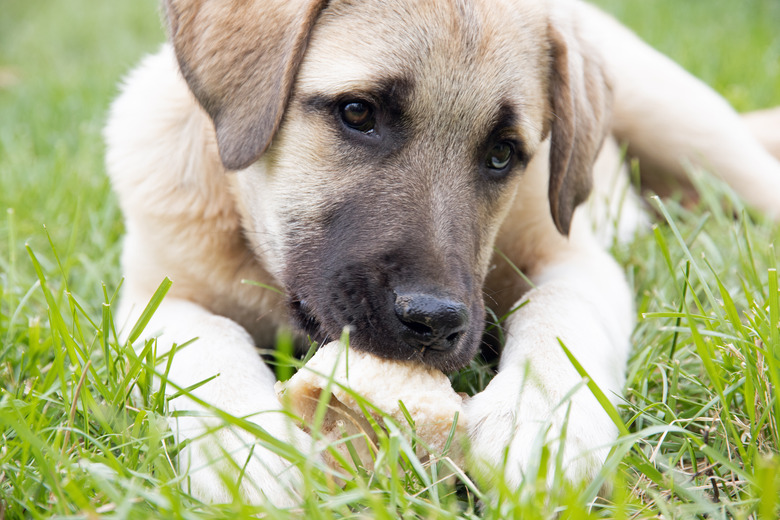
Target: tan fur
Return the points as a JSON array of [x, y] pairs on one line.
[[329, 215], [242, 82]]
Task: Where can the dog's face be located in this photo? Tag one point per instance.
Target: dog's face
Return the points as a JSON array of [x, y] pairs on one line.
[[400, 149], [377, 166]]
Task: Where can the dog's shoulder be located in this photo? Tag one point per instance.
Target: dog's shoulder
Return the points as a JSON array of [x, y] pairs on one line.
[[161, 151], [181, 216]]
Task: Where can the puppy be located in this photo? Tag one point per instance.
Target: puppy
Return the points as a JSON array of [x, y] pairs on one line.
[[369, 158]]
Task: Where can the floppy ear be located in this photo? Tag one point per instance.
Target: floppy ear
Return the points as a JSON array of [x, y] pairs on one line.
[[580, 98], [240, 58]]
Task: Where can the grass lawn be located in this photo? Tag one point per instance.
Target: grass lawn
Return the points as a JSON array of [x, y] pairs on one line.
[[701, 411]]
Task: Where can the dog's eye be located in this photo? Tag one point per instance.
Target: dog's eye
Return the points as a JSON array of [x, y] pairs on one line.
[[499, 156], [359, 116]]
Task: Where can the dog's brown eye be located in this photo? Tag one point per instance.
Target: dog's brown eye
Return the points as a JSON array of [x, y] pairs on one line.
[[358, 115], [500, 155]]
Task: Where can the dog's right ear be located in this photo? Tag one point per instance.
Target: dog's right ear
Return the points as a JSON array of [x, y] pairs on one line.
[[240, 59], [581, 102]]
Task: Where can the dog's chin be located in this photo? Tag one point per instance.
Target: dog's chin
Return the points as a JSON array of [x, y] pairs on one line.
[[460, 355], [449, 360], [374, 339]]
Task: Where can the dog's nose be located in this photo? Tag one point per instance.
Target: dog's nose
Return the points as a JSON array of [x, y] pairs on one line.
[[430, 322]]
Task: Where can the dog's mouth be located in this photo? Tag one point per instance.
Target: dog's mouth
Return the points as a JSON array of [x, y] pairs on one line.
[[369, 332], [305, 319]]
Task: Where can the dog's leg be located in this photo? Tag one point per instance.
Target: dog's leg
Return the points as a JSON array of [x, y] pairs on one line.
[[181, 223], [672, 120], [242, 386], [584, 301]]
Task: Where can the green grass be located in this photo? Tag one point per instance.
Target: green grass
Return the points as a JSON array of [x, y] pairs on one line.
[[74, 442]]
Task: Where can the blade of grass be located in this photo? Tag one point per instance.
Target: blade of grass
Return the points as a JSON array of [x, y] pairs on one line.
[[149, 310]]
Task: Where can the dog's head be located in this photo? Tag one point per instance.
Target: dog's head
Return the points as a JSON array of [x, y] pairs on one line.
[[378, 145]]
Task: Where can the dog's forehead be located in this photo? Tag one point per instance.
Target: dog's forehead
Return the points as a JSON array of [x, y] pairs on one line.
[[463, 54]]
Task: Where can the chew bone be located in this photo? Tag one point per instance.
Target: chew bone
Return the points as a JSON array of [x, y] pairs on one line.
[[425, 392]]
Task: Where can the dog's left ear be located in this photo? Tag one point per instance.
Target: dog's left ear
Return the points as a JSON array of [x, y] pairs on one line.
[[240, 58], [580, 100]]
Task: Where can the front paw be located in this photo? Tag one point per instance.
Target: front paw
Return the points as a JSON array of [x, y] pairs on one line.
[[519, 424], [225, 462]]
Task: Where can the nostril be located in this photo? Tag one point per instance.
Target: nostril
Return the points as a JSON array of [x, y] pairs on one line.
[[419, 328]]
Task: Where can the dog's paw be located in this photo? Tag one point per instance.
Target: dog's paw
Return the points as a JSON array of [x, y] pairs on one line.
[[222, 462], [519, 414]]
